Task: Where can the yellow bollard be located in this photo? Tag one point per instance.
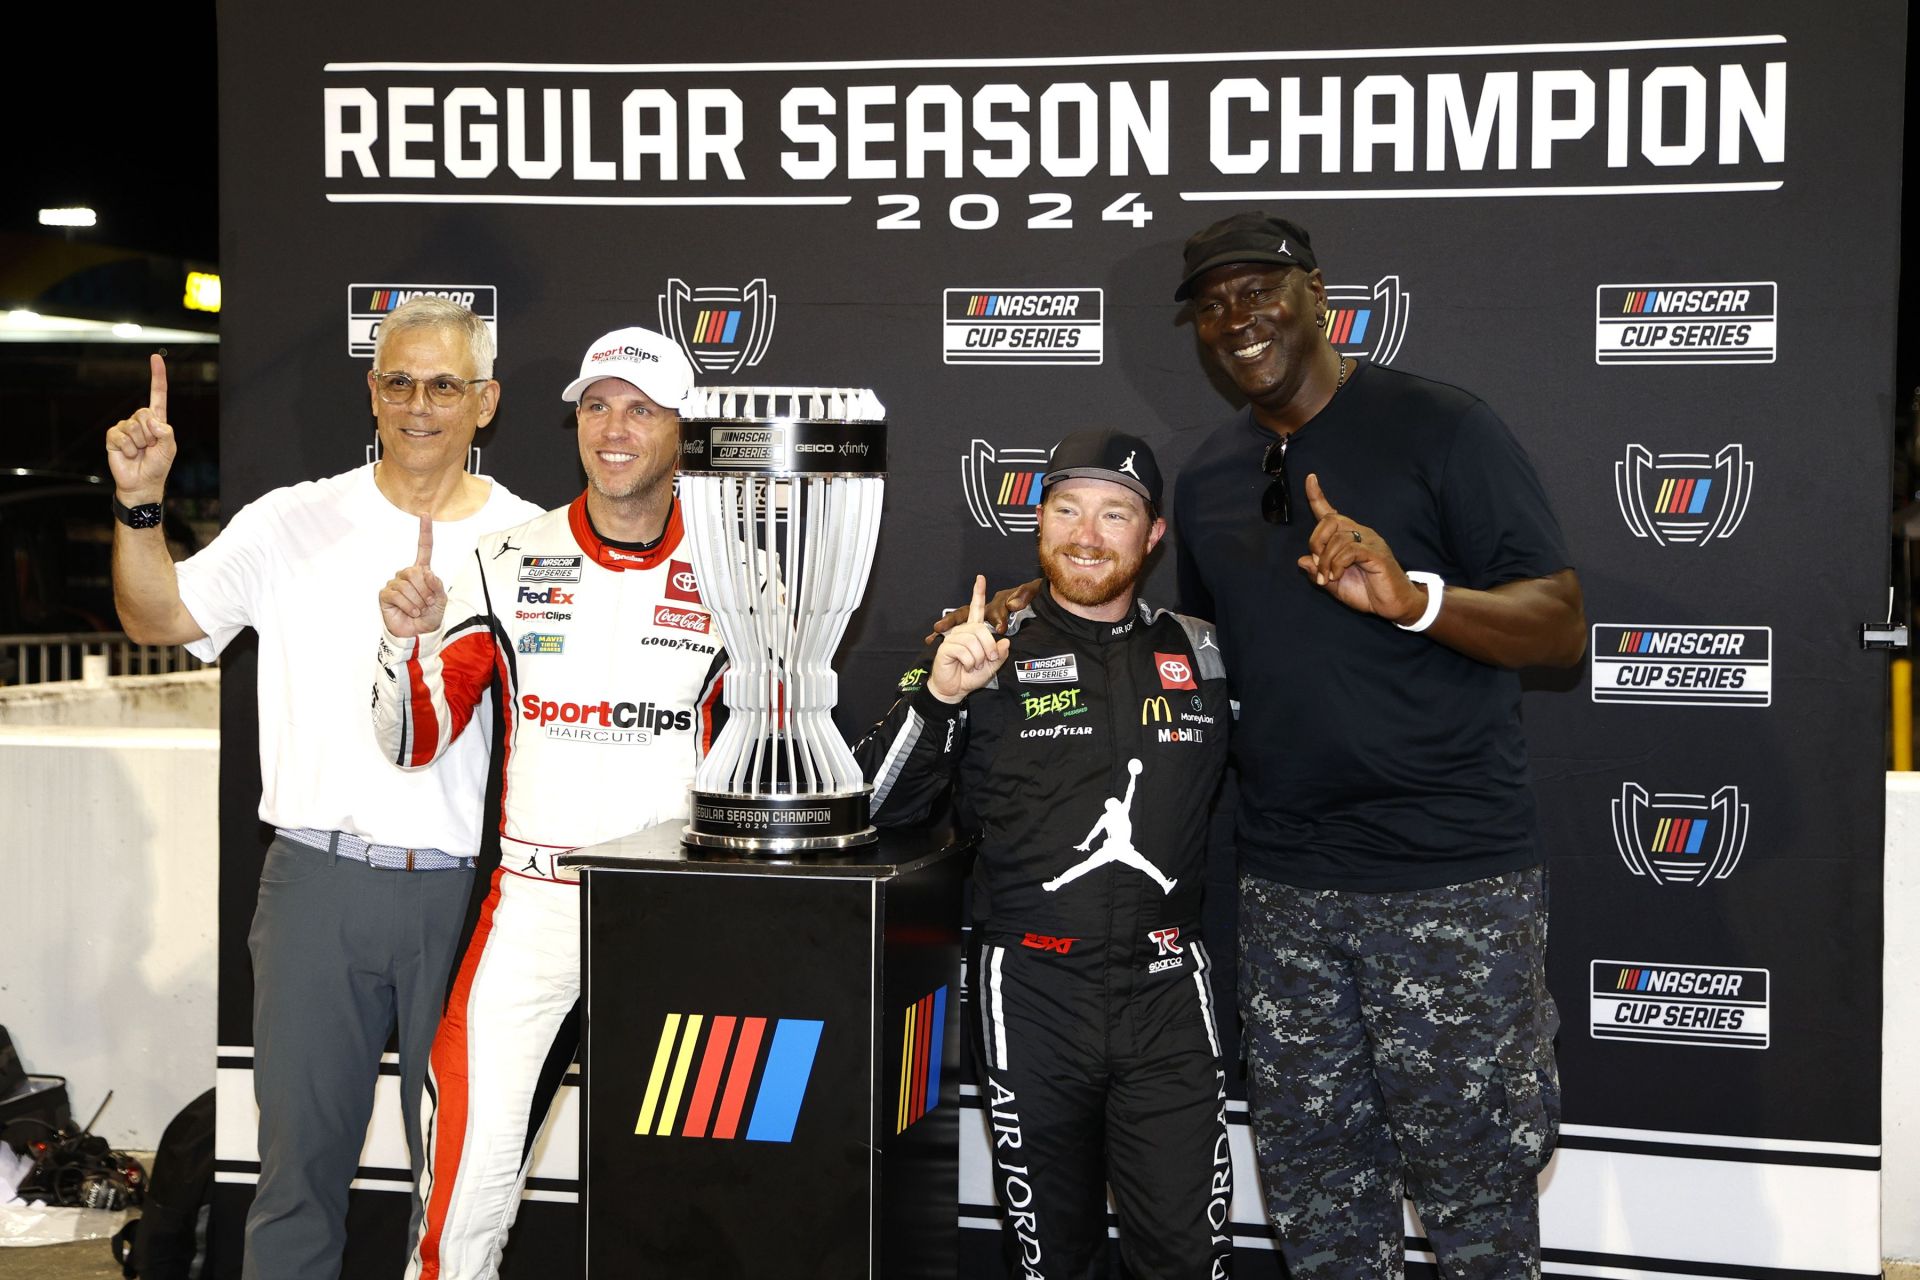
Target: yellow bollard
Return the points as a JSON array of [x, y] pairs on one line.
[[1903, 714]]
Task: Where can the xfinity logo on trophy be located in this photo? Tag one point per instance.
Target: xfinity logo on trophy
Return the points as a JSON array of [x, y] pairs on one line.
[[1680, 1004], [1368, 322], [722, 330], [1003, 486], [1685, 323], [1683, 666], [368, 305], [1023, 326], [710, 1108], [1683, 497], [1677, 837]]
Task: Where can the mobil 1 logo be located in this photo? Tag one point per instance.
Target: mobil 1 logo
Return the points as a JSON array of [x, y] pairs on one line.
[[1023, 326], [1680, 1004], [1686, 323], [1684, 666], [369, 304]]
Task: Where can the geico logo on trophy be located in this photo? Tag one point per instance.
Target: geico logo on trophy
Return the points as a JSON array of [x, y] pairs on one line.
[[551, 595], [605, 714], [813, 448], [666, 615], [681, 583], [1047, 942], [1155, 710]]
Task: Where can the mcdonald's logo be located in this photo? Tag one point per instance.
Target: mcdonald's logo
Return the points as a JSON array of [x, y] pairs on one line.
[[920, 1043], [771, 1102], [1155, 710]]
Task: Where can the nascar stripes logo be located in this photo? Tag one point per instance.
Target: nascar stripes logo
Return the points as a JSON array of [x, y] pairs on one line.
[[368, 305], [726, 1087], [921, 1040]]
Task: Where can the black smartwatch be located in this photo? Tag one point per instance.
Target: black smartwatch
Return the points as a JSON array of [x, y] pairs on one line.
[[144, 516]]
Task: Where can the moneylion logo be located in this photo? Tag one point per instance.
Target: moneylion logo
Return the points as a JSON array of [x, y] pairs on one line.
[[1368, 322], [1675, 837], [368, 305], [1023, 326], [1683, 497], [1003, 486], [722, 330]]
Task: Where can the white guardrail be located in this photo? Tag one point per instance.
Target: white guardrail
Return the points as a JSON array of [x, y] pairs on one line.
[[56, 656]]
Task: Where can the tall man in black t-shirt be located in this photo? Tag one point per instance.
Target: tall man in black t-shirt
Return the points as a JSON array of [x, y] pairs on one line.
[[1379, 557]]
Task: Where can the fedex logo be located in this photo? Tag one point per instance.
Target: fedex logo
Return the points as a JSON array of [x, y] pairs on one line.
[[547, 595]]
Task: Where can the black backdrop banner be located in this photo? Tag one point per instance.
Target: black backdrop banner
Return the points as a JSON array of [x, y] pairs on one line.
[[1660, 240]]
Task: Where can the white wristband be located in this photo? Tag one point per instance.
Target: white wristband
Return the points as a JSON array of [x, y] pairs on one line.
[[1435, 588]]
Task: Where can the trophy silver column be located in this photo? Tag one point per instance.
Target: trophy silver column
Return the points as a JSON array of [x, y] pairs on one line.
[[780, 491]]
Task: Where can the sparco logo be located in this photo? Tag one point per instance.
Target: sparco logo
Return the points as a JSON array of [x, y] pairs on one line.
[[1685, 323], [1023, 326], [1683, 665], [1368, 322], [1678, 837], [1003, 486], [665, 615], [722, 330], [368, 305], [1680, 1004], [1683, 497]]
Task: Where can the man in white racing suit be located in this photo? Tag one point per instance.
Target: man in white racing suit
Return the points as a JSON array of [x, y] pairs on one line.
[[610, 666]]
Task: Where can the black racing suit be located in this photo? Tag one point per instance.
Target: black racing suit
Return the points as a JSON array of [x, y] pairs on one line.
[[1087, 767]]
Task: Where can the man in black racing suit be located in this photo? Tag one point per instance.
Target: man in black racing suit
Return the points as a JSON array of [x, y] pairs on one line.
[[1086, 747]]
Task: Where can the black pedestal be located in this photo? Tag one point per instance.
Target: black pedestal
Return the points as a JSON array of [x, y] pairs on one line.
[[769, 1060]]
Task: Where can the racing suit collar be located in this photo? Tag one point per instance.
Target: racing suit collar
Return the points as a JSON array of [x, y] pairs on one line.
[[1085, 629], [617, 558]]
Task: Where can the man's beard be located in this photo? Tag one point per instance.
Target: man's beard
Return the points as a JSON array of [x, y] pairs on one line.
[[1071, 583]]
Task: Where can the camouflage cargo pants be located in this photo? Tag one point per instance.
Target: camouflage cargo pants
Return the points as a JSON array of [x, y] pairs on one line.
[[1400, 1043]]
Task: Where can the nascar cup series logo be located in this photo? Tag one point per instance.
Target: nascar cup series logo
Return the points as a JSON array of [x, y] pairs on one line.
[[1368, 322], [1023, 326], [1683, 497], [1003, 486], [1675, 837], [1683, 665], [1685, 323], [368, 305], [721, 330], [1680, 1004]]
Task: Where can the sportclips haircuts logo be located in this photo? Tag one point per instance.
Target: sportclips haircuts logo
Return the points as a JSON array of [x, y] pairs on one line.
[[369, 304], [1135, 140], [681, 1102], [1683, 497], [723, 330], [1679, 837]]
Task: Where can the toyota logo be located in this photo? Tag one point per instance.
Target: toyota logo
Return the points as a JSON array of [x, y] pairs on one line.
[[1175, 671], [683, 580]]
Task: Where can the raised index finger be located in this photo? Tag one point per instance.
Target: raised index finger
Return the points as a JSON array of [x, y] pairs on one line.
[[1317, 499], [423, 556], [977, 607], [157, 386]]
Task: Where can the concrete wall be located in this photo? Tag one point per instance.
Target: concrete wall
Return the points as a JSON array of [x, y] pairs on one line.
[[1900, 1057], [109, 858]]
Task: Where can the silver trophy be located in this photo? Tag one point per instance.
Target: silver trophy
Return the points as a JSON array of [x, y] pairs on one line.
[[780, 491]]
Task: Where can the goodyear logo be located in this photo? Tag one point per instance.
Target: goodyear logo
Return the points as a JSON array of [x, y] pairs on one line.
[[1679, 837], [722, 330], [1683, 665], [920, 1043], [1003, 486], [368, 305], [1024, 326], [1732, 323], [1683, 497], [538, 642], [1368, 322], [550, 568], [1680, 1004], [735, 1081]]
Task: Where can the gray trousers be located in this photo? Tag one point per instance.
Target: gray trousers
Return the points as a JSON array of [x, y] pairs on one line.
[[1400, 1043], [340, 951]]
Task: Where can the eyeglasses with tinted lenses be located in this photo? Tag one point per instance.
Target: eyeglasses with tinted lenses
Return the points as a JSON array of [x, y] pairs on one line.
[[1276, 504], [443, 389]]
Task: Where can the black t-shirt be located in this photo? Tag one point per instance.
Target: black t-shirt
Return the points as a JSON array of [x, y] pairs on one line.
[[1371, 758]]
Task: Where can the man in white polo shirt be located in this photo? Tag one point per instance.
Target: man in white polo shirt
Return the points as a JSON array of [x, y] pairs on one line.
[[367, 879]]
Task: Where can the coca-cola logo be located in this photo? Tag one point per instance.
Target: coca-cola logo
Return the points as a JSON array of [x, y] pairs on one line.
[[681, 584], [666, 615]]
